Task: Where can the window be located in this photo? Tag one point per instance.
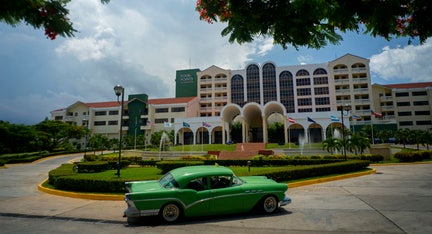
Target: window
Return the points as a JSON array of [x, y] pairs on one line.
[[269, 82], [99, 123], [403, 103], [161, 110], [305, 101], [99, 113], [423, 122], [159, 121], [320, 80], [302, 72], [405, 113], [320, 71], [237, 90], [305, 110], [422, 113], [419, 93], [303, 92], [324, 109], [220, 182], [253, 84], [405, 123], [321, 90], [420, 103], [287, 91], [404, 94], [322, 101], [113, 122], [198, 184], [114, 112], [303, 82], [177, 109]]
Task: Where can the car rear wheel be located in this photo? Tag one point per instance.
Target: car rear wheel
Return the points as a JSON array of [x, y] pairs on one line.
[[269, 204], [170, 212]]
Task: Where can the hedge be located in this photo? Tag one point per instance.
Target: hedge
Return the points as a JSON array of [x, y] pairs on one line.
[[413, 156], [65, 179]]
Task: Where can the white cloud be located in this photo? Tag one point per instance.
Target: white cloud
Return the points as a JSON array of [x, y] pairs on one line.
[[410, 63]]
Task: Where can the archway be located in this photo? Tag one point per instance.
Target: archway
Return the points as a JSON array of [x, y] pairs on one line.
[[253, 124]]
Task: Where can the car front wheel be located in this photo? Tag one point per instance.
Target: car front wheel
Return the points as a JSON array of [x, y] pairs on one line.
[[170, 212], [269, 204]]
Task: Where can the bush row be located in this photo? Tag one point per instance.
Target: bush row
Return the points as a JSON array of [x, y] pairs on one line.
[[65, 179], [300, 172], [413, 156]]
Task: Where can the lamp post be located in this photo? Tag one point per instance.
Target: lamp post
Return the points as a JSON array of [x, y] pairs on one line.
[[342, 109], [119, 90]]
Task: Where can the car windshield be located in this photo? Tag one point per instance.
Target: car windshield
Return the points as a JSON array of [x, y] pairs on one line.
[[168, 181]]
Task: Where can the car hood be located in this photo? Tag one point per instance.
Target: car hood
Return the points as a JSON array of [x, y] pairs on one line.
[[143, 186], [257, 180]]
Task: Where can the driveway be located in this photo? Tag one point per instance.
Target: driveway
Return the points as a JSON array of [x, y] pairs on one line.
[[397, 199]]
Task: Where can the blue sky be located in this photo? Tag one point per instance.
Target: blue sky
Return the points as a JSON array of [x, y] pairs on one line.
[[140, 44]]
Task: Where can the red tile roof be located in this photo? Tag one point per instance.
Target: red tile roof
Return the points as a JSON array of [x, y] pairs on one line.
[[409, 85], [171, 100], [103, 104]]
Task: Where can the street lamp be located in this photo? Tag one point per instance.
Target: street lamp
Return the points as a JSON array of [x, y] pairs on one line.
[[119, 90], [342, 109]]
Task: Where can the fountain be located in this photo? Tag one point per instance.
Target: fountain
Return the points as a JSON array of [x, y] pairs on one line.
[[302, 141], [164, 139]]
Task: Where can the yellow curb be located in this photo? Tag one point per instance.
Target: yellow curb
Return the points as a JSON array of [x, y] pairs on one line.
[[90, 196], [328, 179]]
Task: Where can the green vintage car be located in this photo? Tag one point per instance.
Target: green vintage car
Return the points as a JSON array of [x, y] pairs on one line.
[[200, 191]]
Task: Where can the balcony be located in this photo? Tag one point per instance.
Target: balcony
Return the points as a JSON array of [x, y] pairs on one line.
[[340, 70], [341, 81], [340, 91], [387, 108], [358, 69], [361, 90], [69, 118]]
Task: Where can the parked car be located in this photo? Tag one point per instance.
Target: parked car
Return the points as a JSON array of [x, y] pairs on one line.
[[201, 191]]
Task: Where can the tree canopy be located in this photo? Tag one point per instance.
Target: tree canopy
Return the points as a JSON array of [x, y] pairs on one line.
[[51, 15], [315, 23], [310, 23]]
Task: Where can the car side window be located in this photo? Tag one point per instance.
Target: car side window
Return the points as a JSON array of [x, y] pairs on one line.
[[220, 182], [198, 184]]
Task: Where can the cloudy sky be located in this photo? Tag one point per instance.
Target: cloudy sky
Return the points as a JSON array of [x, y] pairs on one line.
[[140, 45]]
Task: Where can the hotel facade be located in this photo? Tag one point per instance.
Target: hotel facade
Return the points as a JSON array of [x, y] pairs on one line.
[[309, 100]]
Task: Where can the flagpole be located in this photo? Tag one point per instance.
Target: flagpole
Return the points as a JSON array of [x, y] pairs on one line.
[[202, 138], [289, 136]]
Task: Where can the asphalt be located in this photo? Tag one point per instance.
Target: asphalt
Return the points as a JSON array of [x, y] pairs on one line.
[[395, 199]]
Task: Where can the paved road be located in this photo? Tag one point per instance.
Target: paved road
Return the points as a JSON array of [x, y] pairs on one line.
[[395, 200]]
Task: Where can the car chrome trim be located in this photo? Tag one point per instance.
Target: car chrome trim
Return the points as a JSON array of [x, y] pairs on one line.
[[285, 201]]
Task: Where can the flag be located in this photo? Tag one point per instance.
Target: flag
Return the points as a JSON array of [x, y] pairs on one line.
[[379, 115], [167, 124], [334, 119], [356, 117], [149, 123], [206, 124], [186, 125], [291, 120], [310, 120]]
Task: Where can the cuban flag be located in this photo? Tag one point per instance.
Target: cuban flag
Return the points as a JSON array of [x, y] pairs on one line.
[[207, 125], [379, 115], [149, 123], [167, 124], [291, 120], [356, 117], [334, 119], [186, 125]]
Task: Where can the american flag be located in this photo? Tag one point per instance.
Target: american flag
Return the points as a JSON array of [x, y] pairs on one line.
[[206, 124]]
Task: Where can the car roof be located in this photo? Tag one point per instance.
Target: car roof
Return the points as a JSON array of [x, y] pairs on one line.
[[185, 174]]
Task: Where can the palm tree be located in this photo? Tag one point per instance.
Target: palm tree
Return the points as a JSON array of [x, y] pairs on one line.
[[402, 135], [331, 144], [358, 143], [416, 136]]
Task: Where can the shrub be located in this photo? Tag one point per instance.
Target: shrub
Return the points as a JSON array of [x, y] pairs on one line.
[[409, 156], [372, 157], [166, 166], [92, 167]]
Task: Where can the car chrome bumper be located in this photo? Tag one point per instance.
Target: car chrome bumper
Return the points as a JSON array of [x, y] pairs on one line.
[[285, 201]]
